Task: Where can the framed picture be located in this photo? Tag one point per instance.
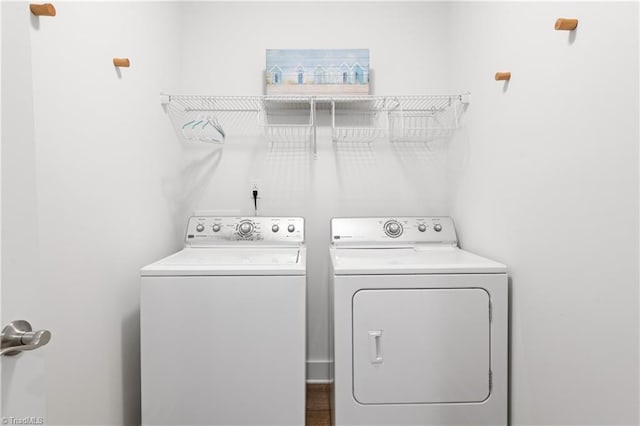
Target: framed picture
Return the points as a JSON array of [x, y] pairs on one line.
[[317, 72]]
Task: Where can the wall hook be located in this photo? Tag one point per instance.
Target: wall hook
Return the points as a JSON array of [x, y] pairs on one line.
[[46, 9], [121, 62], [566, 24], [503, 76]]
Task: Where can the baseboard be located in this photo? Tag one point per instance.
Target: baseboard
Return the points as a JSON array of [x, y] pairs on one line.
[[319, 372]]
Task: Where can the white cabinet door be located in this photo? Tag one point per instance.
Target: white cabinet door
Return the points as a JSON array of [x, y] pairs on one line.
[[417, 346]]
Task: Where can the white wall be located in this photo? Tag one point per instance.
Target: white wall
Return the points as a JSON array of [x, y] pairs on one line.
[[87, 168], [544, 178], [224, 53]]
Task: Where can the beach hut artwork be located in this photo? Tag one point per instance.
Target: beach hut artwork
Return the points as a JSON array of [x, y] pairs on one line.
[[317, 72]]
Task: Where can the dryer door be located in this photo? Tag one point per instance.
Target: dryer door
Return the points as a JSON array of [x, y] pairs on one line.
[[419, 346]]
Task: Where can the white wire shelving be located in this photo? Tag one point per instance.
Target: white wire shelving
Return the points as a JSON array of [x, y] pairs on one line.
[[421, 119], [359, 119], [292, 119], [288, 119]]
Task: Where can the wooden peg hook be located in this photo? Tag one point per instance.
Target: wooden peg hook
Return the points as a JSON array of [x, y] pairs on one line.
[[566, 24], [46, 9], [121, 62], [503, 76]]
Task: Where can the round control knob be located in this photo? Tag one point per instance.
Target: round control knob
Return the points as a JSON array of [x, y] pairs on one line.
[[200, 227], [275, 228], [437, 227], [422, 227], [216, 228], [245, 228], [393, 229], [291, 228]]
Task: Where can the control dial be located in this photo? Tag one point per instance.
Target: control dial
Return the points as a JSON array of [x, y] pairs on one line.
[[275, 228], [422, 227], [437, 227], [393, 229], [245, 228], [200, 227], [291, 228], [216, 228]]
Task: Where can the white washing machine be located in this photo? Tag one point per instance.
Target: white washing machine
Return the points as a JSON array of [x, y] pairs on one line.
[[420, 327], [223, 325]]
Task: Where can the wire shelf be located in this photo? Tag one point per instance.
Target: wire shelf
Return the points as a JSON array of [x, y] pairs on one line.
[[361, 119], [433, 103], [420, 119], [289, 119], [418, 126], [292, 119], [208, 118]]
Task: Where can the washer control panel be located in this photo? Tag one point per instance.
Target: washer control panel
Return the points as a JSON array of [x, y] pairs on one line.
[[390, 230], [211, 230]]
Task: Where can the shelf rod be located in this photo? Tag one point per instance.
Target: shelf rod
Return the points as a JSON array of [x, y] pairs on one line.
[[566, 24], [222, 109], [46, 9]]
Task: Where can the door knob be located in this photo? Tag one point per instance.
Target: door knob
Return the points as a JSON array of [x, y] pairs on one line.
[[18, 336]]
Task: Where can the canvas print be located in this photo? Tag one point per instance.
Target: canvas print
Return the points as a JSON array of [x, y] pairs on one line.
[[317, 72]]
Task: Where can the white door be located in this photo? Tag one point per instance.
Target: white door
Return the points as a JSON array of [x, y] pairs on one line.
[[22, 398], [420, 346]]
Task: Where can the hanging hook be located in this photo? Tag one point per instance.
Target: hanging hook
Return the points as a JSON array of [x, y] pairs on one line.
[[121, 62], [46, 9], [566, 24]]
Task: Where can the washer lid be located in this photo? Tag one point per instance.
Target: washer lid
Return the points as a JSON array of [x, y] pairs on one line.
[[415, 260], [230, 261]]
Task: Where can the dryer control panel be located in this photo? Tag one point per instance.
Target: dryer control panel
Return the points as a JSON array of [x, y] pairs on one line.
[[209, 230], [393, 230]]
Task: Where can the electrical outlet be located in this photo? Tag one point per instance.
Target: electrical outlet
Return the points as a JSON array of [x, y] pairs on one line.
[[254, 185]]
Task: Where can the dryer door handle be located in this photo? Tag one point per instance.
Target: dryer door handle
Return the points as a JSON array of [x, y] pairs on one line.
[[375, 347]]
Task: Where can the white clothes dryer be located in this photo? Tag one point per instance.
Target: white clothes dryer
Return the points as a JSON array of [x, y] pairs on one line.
[[420, 327], [223, 325]]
